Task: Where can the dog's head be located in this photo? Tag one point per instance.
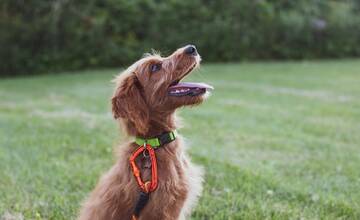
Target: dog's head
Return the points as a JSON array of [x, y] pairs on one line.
[[152, 87]]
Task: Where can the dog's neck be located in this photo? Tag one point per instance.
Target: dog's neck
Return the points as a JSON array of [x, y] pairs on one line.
[[158, 124]]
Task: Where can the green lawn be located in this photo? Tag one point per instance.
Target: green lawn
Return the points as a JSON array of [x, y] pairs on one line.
[[277, 140]]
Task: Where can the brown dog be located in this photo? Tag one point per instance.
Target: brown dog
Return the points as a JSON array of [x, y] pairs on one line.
[[145, 99]]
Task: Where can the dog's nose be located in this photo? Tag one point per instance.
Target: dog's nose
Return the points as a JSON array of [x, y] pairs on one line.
[[190, 50]]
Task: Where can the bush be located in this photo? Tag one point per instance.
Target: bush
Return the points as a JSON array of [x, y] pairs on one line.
[[41, 36]]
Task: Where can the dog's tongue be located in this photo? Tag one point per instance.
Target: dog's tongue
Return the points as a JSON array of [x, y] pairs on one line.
[[192, 85]]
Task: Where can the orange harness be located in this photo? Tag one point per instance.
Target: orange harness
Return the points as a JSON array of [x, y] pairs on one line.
[[148, 146], [148, 186]]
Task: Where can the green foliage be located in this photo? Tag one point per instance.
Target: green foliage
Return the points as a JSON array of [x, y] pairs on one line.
[[279, 141], [41, 36]]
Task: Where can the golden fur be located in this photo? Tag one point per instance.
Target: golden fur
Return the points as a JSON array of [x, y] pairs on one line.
[[142, 105]]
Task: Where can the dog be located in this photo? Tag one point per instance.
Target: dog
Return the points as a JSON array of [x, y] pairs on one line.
[[144, 102]]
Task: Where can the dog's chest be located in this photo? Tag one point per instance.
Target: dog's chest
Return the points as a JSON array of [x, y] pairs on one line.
[[177, 189], [172, 172], [179, 184]]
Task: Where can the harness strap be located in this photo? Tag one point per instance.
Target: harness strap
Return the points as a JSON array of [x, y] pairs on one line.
[[148, 186], [149, 146], [136, 171], [142, 201]]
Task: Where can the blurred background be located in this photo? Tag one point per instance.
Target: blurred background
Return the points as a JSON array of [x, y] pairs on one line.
[[278, 139], [46, 36]]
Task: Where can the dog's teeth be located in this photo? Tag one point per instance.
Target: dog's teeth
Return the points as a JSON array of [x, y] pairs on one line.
[[180, 90]]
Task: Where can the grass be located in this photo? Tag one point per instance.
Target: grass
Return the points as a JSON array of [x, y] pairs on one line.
[[277, 140]]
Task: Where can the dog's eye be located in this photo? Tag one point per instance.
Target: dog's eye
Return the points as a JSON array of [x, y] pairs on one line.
[[155, 67]]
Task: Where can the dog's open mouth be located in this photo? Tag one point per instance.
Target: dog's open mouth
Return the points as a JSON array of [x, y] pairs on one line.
[[178, 88], [189, 89]]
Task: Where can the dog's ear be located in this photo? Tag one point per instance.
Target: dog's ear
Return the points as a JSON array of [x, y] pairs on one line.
[[128, 103]]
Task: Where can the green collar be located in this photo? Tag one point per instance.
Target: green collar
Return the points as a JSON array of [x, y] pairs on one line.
[[157, 141]]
